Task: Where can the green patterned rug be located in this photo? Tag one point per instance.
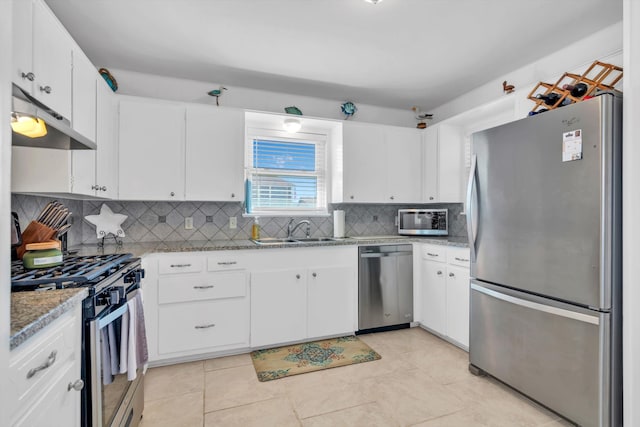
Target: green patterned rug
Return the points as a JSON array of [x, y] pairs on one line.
[[274, 363]]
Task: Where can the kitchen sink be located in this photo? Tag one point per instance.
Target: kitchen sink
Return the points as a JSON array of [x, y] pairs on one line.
[[284, 240]]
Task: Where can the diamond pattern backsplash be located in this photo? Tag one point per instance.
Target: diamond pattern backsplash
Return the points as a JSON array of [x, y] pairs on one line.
[[211, 219]]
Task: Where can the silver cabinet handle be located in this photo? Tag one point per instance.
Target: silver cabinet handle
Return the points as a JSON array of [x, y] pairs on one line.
[[29, 76], [391, 197], [233, 195], [76, 385], [297, 276], [461, 259], [314, 274], [180, 265], [203, 287], [45, 89], [452, 275], [430, 254], [173, 194], [95, 187], [351, 197], [103, 188], [439, 273], [227, 262], [210, 325], [50, 361], [430, 197]]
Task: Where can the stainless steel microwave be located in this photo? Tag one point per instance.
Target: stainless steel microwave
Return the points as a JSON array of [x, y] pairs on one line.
[[423, 222]]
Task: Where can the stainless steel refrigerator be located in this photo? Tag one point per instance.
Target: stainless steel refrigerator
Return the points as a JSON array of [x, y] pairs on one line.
[[544, 222]]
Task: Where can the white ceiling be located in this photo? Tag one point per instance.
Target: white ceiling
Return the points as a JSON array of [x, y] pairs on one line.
[[398, 53]]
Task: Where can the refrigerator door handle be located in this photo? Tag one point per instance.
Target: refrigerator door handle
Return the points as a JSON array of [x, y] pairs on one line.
[[470, 208], [594, 320]]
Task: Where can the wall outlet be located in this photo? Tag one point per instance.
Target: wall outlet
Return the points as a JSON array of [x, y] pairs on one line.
[[188, 223], [162, 218], [233, 222], [208, 218]]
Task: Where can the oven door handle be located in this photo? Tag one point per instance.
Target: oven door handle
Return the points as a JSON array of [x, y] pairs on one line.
[[104, 321]]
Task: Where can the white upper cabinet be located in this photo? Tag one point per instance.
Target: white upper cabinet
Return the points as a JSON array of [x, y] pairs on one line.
[[214, 154], [84, 74], [443, 164], [151, 149], [364, 169], [95, 172], [404, 171], [381, 164], [42, 55], [52, 47]]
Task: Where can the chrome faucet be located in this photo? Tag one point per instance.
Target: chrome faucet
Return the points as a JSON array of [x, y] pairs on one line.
[[292, 228]]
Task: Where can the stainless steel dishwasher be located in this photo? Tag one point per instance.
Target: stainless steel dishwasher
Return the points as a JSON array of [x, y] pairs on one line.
[[385, 286]]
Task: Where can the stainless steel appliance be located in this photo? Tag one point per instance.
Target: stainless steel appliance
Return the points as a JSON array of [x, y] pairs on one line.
[[423, 222], [111, 280], [385, 295], [544, 222]]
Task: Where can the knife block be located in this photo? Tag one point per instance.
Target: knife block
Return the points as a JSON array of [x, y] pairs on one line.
[[34, 233]]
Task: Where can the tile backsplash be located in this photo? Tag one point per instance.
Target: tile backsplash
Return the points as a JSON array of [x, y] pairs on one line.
[[164, 221]]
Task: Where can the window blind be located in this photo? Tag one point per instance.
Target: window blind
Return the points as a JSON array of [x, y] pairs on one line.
[[286, 176]]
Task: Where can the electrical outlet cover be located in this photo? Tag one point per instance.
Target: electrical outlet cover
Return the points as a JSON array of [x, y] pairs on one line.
[[233, 222], [188, 223]]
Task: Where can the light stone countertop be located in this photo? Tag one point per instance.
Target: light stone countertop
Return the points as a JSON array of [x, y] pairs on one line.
[[31, 311], [146, 248]]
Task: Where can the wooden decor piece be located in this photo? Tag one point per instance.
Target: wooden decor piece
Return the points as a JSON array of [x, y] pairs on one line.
[[598, 77]]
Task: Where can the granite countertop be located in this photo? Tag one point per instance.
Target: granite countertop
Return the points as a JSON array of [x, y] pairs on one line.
[[146, 248], [31, 311]]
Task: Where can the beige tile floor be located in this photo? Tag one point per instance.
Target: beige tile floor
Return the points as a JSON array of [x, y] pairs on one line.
[[421, 380]]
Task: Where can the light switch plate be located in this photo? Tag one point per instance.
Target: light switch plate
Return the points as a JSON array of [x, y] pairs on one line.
[[188, 223], [233, 222]]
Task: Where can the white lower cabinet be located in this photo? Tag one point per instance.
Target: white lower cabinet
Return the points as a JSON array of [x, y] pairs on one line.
[[193, 310], [316, 299], [444, 277], [278, 306], [202, 304], [42, 372]]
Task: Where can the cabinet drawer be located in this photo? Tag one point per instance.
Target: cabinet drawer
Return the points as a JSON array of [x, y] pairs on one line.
[[434, 253], [180, 264], [458, 256], [202, 287], [203, 325], [225, 261], [35, 365]]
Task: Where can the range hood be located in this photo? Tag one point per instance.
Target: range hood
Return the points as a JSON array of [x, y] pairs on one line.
[[59, 135]]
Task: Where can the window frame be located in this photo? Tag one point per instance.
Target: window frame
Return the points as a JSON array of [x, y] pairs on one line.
[[323, 177]]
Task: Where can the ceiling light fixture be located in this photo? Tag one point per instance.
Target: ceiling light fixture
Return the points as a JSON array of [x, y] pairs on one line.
[[373, 1], [27, 125], [292, 125]]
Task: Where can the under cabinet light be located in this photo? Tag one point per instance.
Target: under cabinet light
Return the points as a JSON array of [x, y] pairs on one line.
[[292, 125], [29, 126]]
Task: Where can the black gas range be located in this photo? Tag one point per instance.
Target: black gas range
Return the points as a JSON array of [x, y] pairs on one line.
[[112, 281]]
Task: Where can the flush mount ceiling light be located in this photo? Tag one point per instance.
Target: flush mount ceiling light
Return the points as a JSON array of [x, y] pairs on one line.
[[27, 125], [292, 125], [373, 1]]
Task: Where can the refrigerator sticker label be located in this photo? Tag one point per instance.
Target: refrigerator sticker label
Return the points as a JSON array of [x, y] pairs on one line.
[[572, 145]]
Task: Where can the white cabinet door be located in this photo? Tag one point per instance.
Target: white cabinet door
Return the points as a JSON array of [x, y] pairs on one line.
[[52, 47], [404, 159], [450, 164], [278, 306], [151, 150], [22, 15], [83, 119], [434, 296], [430, 165], [95, 172], [458, 304], [214, 154], [365, 163], [330, 306], [106, 134]]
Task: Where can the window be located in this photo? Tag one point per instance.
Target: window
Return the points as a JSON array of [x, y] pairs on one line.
[[286, 176]]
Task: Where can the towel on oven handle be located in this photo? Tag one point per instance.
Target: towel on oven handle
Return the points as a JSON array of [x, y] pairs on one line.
[[134, 353]]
